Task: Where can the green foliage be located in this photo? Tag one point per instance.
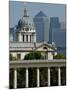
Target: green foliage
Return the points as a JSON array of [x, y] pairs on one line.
[[11, 57], [33, 55], [11, 78], [59, 56], [21, 78], [32, 77], [43, 77], [54, 76]]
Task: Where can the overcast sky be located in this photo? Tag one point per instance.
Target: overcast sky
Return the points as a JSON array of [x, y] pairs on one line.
[[51, 10]]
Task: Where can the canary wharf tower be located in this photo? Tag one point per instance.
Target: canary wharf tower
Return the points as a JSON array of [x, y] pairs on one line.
[[25, 31]]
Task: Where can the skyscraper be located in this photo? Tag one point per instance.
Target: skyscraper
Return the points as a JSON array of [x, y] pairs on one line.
[[54, 27], [57, 34], [42, 27]]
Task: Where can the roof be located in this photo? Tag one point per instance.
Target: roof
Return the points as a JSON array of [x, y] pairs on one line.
[[28, 46], [41, 14], [25, 22]]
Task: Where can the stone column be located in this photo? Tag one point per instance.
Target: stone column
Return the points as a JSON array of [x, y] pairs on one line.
[[48, 76], [49, 55], [34, 37], [15, 78], [24, 38], [38, 78], [27, 78], [28, 38], [20, 37], [11, 37], [59, 76]]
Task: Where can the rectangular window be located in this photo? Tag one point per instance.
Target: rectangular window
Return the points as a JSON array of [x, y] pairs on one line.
[[23, 38], [26, 38]]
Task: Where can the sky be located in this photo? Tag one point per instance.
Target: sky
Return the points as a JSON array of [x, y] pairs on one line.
[[51, 10]]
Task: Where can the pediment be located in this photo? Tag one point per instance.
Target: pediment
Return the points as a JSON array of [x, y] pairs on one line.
[[45, 47]]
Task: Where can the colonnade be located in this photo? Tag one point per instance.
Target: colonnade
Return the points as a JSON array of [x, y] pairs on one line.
[[38, 77], [26, 37]]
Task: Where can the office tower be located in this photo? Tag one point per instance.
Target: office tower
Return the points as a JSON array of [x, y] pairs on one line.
[[41, 22], [54, 27], [57, 34]]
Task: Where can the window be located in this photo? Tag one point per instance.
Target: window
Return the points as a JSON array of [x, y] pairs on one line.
[[27, 29], [23, 38], [18, 56], [44, 47], [23, 28], [26, 38]]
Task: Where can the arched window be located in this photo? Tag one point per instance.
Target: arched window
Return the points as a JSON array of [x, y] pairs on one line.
[[44, 47]]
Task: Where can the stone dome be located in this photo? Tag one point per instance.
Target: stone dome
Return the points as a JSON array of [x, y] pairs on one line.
[[26, 22]]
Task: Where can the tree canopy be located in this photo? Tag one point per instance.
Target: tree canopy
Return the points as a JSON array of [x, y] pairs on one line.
[[33, 55], [59, 56]]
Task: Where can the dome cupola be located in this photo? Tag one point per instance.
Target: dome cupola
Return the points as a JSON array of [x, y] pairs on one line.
[[25, 28]]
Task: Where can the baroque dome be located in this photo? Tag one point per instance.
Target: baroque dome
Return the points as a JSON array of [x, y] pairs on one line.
[[25, 22]]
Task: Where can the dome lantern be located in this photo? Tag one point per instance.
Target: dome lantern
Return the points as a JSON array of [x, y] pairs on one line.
[[25, 10], [26, 30]]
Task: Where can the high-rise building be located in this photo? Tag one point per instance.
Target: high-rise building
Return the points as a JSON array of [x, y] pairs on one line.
[[54, 27], [63, 26], [41, 22], [57, 34]]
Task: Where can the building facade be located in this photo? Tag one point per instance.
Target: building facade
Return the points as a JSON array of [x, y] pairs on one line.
[[57, 34], [41, 22], [54, 27]]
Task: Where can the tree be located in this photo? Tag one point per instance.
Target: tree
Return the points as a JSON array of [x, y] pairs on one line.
[[59, 56], [33, 55], [32, 71], [11, 57]]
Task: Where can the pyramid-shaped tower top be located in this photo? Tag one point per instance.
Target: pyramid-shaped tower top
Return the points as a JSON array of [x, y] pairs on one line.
[[41, 14]]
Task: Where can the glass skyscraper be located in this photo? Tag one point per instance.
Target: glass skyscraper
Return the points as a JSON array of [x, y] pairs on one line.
[[54, 27], [57, 34], [41, 22]]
